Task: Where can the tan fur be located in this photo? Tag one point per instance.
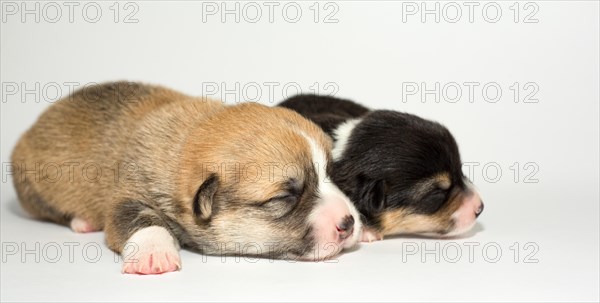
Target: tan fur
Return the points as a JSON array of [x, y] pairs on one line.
[[165, 146], [402, 221], [423, 187], [443, 180], [68, 136]]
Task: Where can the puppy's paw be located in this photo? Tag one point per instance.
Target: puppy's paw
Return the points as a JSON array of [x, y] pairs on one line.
[[152, 263], [82, 226], [370, 236], [150, 251]]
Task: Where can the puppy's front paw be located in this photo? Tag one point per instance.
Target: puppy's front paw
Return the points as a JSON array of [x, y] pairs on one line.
[[370, 236], [149, 251], [152, 263]]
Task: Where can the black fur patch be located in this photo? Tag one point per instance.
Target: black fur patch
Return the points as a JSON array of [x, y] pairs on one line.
[[204, 197]]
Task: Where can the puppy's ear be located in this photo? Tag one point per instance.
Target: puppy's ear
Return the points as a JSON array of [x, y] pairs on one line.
[[372, 196], [203, 200], [378, 199]]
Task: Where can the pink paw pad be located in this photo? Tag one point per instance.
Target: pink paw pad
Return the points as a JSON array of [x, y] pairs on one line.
[[152, 263], [81, 226], [151, 251]]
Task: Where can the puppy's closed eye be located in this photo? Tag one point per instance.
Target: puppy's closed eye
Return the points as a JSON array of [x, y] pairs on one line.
[[432, 202], [280, 205], [285, 198], [290, 192]]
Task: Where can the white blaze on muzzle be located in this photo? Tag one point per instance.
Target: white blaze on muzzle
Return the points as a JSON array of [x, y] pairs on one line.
[[333, 229], [465, 216]]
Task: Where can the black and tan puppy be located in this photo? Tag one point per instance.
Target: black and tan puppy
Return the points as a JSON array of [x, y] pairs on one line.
[[157, 170], [402, 172]]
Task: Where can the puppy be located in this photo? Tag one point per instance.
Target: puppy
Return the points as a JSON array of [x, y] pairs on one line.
[[156, 170], [402, 172]]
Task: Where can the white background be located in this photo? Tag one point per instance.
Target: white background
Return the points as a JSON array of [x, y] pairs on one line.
[[369, 55]]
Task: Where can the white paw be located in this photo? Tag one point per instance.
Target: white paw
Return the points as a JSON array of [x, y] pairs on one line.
[[149, 251], [370, 236], [81, 226]]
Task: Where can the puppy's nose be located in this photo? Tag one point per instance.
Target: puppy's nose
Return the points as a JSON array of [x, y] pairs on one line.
[[479, 210], [346, 227]]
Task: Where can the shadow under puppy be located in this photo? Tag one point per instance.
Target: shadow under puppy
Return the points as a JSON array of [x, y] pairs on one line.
[[402, 172], [157, 170]]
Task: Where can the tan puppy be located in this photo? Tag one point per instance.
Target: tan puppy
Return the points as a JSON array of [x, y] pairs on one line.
[[157, 169]]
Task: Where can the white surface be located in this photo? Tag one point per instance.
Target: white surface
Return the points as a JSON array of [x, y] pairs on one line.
[[368, 54]]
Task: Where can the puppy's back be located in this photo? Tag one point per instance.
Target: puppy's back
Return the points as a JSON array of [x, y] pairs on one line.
[[72, 153]]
